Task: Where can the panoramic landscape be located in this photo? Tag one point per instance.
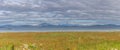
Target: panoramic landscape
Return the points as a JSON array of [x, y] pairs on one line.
[[59, 24]]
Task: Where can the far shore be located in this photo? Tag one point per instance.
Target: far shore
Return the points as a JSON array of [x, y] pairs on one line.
[[59, 30]]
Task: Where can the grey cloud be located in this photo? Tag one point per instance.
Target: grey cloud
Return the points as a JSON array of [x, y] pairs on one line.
[[59, 11]]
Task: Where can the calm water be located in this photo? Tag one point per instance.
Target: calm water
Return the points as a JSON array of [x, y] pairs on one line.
[[55, 30]]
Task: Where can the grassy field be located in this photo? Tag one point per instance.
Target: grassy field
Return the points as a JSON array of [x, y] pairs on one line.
[[60, 41]]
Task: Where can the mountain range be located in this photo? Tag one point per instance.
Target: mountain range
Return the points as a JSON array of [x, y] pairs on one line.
[[47, 26]]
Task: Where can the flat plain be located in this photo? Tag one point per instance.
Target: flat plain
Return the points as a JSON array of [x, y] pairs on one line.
[[60, 41]]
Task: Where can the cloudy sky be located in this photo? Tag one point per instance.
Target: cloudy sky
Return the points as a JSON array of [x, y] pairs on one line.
[[58, 12]]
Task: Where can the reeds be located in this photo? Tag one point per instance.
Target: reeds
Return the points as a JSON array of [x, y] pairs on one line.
[[60, 41]]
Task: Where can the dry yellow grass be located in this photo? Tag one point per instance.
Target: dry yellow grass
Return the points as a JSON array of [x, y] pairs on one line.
[[61, 40]]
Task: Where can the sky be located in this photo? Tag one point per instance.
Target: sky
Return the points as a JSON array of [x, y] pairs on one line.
[[59, 12]]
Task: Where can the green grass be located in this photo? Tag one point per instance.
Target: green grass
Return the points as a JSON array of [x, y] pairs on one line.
[[60, 41]]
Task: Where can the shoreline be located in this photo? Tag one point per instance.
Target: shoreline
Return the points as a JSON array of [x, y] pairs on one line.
[[60, 31]]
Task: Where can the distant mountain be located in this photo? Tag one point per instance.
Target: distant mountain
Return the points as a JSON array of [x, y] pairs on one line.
[[64, 26]]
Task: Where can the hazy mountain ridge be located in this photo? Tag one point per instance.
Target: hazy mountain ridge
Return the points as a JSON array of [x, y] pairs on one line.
[[61, 27]]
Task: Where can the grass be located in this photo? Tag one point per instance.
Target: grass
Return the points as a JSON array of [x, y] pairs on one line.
[[60, 41]]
